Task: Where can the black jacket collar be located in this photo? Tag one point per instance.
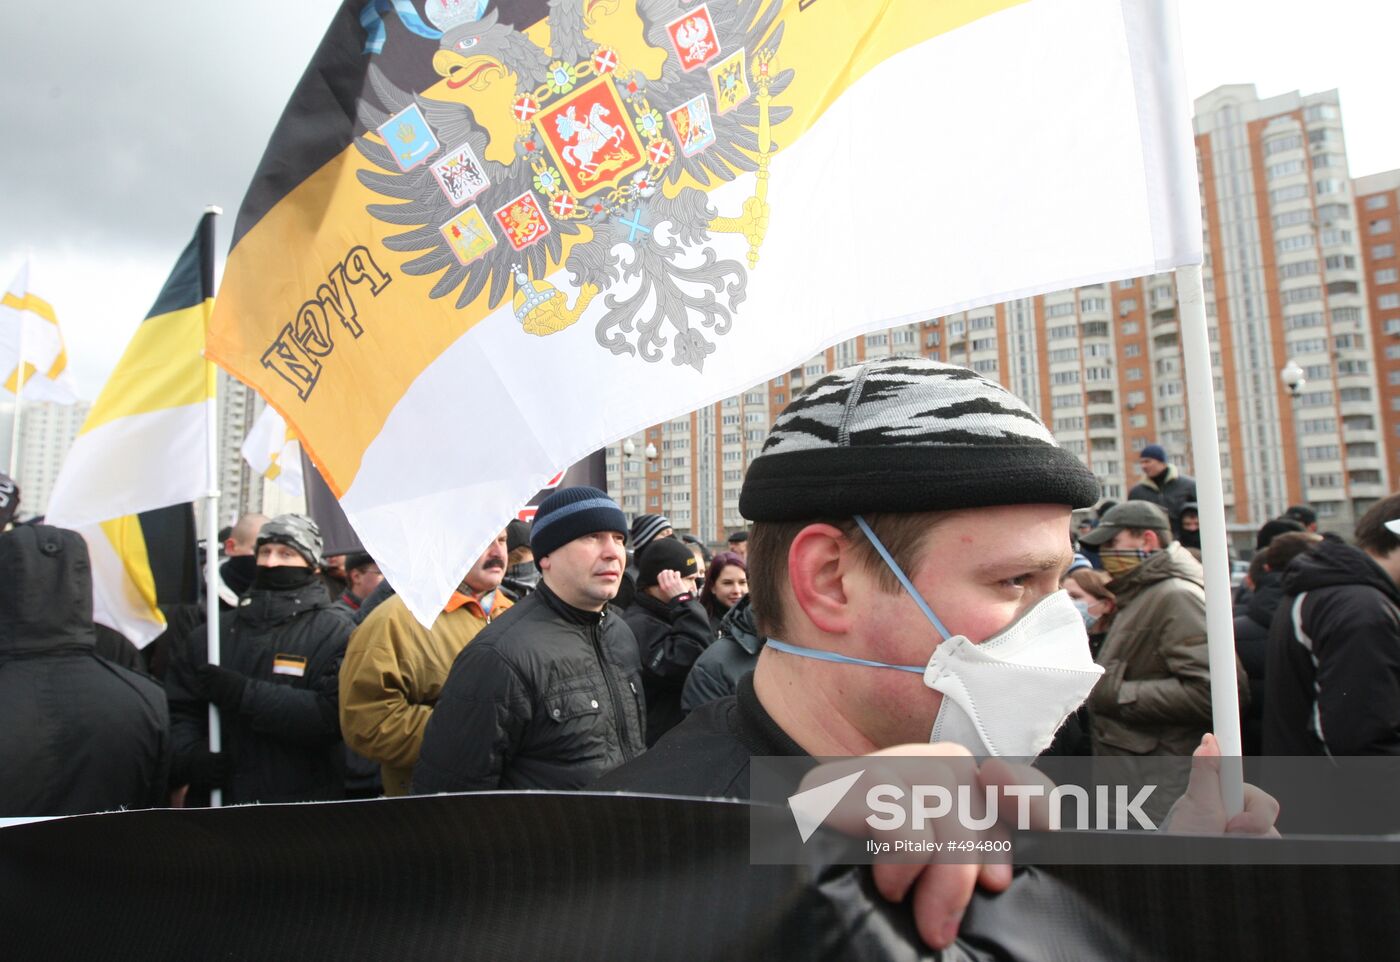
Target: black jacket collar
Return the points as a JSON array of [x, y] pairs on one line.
[[577, 616], [760, 734]]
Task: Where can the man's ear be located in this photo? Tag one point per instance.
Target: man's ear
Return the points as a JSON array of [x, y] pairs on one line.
[[543, 563], [819, 569], [1150, 541]]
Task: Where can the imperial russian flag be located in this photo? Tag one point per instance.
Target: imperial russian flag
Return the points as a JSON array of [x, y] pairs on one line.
[[489, 237]]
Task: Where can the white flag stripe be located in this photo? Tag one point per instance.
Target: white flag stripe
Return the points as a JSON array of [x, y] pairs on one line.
[[116, 602], [133, 464], [928, 187]]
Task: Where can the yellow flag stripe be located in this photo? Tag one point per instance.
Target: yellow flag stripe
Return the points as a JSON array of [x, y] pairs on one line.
[[32, 303], [127, 540], [162, 368]]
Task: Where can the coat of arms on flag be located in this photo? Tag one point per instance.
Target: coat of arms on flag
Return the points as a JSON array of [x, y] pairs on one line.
[[590, 156]]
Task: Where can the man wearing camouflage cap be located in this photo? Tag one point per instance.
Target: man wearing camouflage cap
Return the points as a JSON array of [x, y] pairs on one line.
[[276, 684]]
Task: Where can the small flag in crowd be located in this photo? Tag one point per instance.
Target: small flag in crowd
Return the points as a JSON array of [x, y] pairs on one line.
[[32, 353], [144, 445], [273, 451], [542, 228]]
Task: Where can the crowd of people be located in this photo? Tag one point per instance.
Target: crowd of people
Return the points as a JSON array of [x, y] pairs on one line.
[[902, 513]]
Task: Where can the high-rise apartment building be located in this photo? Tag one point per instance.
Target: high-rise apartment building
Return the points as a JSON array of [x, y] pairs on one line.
[[1301, 265], [46, 432]]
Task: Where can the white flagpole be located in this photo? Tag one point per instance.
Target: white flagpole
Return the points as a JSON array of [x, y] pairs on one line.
[[1215, 557], [211, 546]]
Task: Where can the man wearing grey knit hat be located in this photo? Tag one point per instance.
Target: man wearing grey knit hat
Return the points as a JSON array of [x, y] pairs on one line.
[[905, 514]]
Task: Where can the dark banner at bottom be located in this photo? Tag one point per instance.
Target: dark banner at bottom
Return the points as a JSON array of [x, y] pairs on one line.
[[561, 876]]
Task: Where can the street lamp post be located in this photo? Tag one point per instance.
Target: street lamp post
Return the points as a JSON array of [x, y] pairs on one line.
[[1293, 378]]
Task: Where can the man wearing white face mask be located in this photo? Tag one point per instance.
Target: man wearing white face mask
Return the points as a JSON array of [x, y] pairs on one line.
[[909, 537]]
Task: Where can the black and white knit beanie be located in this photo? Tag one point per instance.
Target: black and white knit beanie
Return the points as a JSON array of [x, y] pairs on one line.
[[645, 527], [908, 434]]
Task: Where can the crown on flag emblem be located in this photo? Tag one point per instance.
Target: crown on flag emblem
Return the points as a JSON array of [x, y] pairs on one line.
[[447, 14]]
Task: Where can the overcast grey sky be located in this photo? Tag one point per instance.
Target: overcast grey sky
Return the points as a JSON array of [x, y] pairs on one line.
[[127, 119]]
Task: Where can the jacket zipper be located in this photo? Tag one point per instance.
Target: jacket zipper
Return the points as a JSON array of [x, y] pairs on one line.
[[595, 635]]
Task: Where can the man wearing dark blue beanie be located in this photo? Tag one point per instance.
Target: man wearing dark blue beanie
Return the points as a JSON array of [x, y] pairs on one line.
[[549, 695]]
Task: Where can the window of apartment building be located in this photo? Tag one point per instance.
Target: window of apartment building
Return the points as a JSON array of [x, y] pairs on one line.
[[1359, 422], [1330, 185], [1066, 400], [1301, 295], [903, 337], [955, 328], [1127, 305], [984, 344], [1336, 236], [1364, 476], [1353, 366], [1285, 168], [730, 456], [755, 417], [1392, 377], [1387, 276], [1135, 397], [1069, 424], [1319, 425], [1329, 213], [1137, 420], [1093, 304], [1316, 372], [1297, 269], [756, 435], [1298, 242], [731, 402], [729, 419], [1376, 201], [1106, 467], [1338, 262], [780, 398], [813, 369], [1392, 326], [1281, 195], [1168, 365], [1133, 373], [1380, 225], [1330, 480], [1059, 333], [1169, 389], [1344, 315], [1322, 452], [1278, 145], [1328, 160], [1064, 354], [1074, 447], [753, 397], [1132, 350], [1355, 394], [1097, 350], [1362, 449], [1315, 399], [1065, 377], [877, 340], [1383, 252], [1387, 301], [1098, 374], [1059, 310], [731, 438], [1172, 412], [1131, 327], [734, 475], [1291, 217], [985, 367], [1308, 345], [982, 323]]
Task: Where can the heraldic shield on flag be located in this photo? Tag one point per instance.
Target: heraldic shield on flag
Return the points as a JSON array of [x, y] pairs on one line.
[[543, 213]]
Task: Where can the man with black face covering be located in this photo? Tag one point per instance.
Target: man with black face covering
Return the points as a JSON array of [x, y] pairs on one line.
[[276, 686], [236, 574]]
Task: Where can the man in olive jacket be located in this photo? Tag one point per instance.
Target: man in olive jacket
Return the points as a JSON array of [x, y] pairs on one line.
[[549, 695], [395, 668], [1154, 696]]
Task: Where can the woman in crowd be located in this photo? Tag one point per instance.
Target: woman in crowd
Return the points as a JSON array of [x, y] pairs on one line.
[[1088, 588], [726, 581]]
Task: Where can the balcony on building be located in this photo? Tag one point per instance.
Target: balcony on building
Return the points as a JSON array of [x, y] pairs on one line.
[[1094, 329]]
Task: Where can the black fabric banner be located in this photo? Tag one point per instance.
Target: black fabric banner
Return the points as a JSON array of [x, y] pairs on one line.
[[550, 876], [172, 549]]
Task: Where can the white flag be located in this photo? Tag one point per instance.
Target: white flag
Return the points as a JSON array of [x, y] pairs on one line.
[[31, 345], [274, 452]]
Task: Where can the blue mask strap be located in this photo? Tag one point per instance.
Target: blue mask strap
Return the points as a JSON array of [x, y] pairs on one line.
[[903, 578], [833, 656]]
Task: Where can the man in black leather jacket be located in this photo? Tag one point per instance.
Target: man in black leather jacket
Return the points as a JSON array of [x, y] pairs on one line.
[[549, 695]]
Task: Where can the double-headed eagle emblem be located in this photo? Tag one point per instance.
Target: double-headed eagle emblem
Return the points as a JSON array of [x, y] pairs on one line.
[[603, 155]]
